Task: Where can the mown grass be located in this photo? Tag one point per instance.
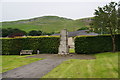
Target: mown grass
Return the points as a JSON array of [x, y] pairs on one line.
[[10, 62], [71, 50], [104, 66]]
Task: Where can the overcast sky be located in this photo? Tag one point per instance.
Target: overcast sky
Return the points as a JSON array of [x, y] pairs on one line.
[[24, 9]]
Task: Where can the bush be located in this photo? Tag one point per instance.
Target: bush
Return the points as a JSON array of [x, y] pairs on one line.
[[35, 33], [12, 32], [83, 28], [95, 44], [44, 44]]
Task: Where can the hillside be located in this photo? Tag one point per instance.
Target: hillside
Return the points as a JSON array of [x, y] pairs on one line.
[[47, 24]]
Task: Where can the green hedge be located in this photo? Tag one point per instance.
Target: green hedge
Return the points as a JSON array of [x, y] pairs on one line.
[[95, 44], [44, 44]]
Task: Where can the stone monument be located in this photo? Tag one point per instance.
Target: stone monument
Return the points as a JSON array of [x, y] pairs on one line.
[[63, 47]]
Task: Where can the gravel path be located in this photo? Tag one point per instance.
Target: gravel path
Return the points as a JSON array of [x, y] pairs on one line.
[[41, 67]]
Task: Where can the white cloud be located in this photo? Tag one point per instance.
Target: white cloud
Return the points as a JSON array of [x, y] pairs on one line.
[[25, 9]]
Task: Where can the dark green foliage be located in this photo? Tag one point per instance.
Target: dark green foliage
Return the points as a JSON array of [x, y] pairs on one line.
[[35, 33], [95, 44], [4, 32], [118, 42], [10, 32], [83, 28], [119, 16], [45, 33], [44, 44], [106, 18]]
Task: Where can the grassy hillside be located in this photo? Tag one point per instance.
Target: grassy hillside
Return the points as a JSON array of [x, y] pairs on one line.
[[46, 24]]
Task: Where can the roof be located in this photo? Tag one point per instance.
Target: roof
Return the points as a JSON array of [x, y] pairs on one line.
[[78, 33]]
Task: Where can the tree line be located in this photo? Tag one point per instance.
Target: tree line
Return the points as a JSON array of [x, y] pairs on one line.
[[9, 32]]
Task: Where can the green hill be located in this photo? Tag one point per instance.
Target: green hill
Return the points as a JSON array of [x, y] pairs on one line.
[[46, 24]]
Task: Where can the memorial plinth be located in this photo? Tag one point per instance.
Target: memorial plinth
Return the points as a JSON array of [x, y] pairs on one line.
[[63, 47]]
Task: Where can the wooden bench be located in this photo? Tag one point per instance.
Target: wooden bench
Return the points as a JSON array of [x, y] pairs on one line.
[[26, 52]]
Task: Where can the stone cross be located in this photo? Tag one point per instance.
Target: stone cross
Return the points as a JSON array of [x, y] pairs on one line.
[[63, 47]]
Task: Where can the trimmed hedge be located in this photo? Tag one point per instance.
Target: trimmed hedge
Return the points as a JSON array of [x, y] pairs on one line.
[[95, 44], [44, 44]]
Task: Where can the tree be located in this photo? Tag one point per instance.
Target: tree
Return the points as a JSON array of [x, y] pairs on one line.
[[11, 32], [4, 32], [35, 33], [45, 33], [106, 19], [83, 28], [119, 16]]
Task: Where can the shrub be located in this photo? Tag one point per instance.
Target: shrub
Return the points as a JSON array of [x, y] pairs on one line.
[[44, 44], [95, 44], [35, 33], [12, 32], [83, 28]]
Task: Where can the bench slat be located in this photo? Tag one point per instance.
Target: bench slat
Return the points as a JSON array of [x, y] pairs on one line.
[[26, 52]]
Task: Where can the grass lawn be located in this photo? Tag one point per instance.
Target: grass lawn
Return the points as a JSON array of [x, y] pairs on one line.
[[104, 66], [10, 62], [71, 50]]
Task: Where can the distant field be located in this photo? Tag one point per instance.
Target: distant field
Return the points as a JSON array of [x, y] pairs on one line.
[[46, 24], [104, 66]]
